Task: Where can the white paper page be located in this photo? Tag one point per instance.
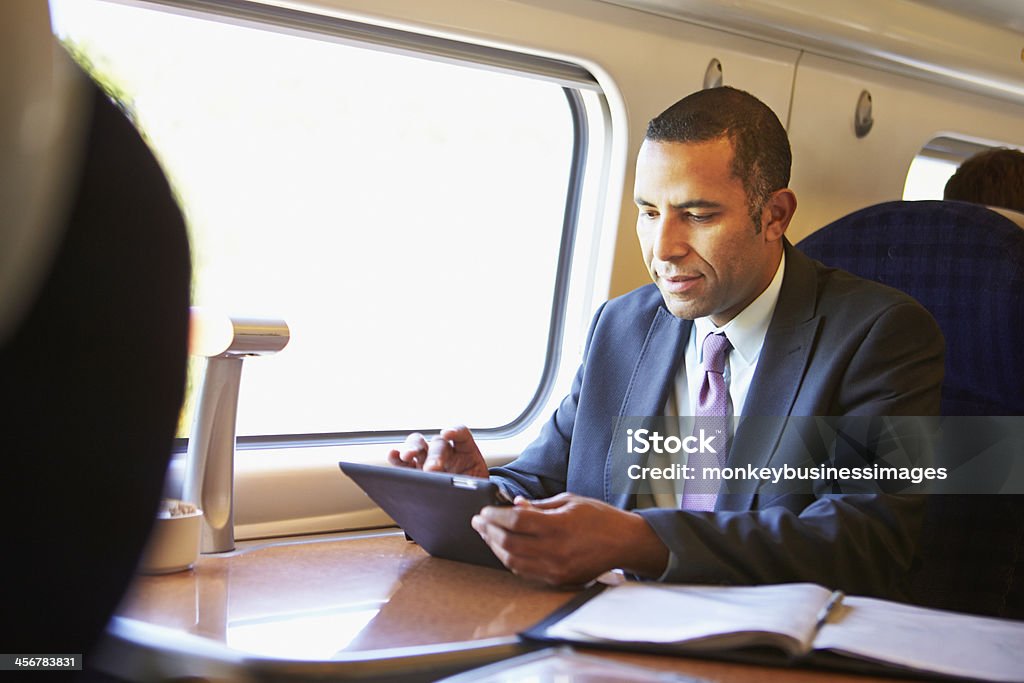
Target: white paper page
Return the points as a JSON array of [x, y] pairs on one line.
[[657, 613], [926, 639]]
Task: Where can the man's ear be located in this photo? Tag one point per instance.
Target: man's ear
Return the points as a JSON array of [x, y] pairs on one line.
[[777, 213]]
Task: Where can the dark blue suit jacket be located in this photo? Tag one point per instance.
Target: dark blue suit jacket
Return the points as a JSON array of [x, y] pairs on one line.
[[837, 345]]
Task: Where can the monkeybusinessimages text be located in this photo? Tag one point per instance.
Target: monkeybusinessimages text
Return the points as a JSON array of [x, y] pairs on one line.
[[648, 442]]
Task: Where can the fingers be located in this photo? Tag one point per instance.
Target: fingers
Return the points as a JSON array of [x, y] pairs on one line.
[[520, 519], [459, 436], [438, 455], [459, 453], [412, 452], [510, 550], [551, 503], [504, 543], [395, 459], [527, 555], [453, 450]]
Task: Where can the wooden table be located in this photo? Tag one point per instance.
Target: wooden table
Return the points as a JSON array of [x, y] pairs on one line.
[[363, 606]]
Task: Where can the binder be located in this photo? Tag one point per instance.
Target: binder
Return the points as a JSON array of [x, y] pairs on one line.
[[788, 625]]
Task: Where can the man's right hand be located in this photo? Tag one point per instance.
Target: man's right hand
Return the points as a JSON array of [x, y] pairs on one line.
[[453, 450]]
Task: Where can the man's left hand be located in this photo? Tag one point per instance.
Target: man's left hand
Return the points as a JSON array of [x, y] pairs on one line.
[[570, 539]]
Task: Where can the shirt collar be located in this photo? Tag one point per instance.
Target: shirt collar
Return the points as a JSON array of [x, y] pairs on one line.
[[746, 332]]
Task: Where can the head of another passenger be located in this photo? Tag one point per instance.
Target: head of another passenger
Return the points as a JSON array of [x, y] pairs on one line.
[[994, 177], [711, 189]]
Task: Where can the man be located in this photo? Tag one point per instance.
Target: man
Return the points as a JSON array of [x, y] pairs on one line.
[[711, 188], [994, 177]]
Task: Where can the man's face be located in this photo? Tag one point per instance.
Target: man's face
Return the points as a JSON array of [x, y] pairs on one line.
[[698, 241]]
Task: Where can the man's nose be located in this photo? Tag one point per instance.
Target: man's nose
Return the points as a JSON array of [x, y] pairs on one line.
[[670, 241]]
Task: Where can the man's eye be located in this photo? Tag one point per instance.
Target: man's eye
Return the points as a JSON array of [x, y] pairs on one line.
[[649, 215], [701, 217]]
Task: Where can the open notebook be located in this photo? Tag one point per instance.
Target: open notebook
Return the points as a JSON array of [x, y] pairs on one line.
[[796, 619]]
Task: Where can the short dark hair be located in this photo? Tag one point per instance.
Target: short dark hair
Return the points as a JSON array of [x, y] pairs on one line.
[[761, 153], [994, 177]]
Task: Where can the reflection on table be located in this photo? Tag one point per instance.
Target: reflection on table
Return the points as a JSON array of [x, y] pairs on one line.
[[350, 606]]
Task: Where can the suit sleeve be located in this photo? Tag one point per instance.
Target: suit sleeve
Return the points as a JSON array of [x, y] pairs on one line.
[[863, 543], [898, 369]]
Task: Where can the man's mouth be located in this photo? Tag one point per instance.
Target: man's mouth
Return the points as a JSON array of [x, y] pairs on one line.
[[680, 284]]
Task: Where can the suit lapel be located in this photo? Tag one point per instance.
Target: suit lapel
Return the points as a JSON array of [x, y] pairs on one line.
[[780, 371], [652, 378]]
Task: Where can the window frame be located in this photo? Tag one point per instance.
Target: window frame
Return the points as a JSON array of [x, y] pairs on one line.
[[952, 148]]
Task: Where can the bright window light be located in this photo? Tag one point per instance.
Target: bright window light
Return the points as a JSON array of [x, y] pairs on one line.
[[402, 214], [927, 178]]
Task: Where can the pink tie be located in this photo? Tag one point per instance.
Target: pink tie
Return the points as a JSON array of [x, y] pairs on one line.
[[712, 416]]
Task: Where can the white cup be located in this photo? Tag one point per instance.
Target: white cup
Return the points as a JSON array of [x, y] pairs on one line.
[[173, 544]]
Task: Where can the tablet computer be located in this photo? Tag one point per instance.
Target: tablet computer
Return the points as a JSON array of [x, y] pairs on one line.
[[433, 508]]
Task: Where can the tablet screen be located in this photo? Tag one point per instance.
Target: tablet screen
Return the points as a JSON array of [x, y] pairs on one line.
[[433, 508]]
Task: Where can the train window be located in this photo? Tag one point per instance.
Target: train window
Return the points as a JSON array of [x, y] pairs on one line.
[[933, 166], [410, 216]]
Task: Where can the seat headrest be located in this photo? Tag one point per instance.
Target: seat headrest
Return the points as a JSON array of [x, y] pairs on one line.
[[965, 263]]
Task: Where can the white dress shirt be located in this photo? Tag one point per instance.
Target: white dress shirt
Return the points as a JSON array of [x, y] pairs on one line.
[[746, 333]]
